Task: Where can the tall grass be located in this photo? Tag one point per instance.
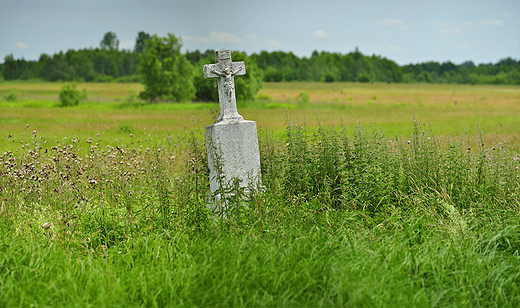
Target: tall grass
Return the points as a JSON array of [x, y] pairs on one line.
[[345, 219]]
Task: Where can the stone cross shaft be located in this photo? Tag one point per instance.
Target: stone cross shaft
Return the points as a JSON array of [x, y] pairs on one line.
[[226, 70]]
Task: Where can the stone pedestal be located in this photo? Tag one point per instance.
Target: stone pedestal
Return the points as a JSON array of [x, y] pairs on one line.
[[234, 144]]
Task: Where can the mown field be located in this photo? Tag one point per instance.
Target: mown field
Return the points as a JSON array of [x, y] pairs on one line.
[[104, 204]]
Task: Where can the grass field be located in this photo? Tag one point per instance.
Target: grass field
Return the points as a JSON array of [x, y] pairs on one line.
[[450, 109], [349, 216]]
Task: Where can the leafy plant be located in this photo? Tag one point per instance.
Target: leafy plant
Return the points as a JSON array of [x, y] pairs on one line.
[[363, 78], [70, 96], [303, 98], [264, 97], [12, 96]]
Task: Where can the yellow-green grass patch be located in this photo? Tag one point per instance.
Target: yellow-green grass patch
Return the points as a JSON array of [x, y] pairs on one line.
[[451, 110]]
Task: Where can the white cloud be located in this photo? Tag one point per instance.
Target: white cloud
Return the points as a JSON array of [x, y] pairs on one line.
[[511, 43], [395, 48], [493, 22], [463, 45], [449, 30], [271, 43], [452, 28], [21, 45], [320, 34], [229, 38], [130, 44], [215, 37], [443, 23], [395, 23]]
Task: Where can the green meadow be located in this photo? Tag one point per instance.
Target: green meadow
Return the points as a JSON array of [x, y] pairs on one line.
[[373, 195], [451, 110]]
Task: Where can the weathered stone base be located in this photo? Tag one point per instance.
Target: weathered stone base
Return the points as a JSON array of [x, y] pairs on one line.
[[232, 154]]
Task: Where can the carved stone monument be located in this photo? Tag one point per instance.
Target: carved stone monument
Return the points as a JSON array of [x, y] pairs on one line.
[[232, 142]]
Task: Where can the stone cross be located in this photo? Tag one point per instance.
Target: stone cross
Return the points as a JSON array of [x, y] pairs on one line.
[[226, 70], [232, 142]]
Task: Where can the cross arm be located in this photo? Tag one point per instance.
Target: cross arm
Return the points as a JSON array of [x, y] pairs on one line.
[[217, 70], [238, 68], [209, 70]]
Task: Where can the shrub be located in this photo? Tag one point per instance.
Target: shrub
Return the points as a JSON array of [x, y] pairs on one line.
[[329, 77], [303, 98], [273, 74], [363, 78], [264, 97], [12, 96], [132, 98], [70, 96]]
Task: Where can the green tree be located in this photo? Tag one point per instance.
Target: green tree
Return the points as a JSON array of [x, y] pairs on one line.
[[109, 41], [248, 85], [140, 41], [57, 68], [273, 74], [206, 89], [10, 68], [166, 73]]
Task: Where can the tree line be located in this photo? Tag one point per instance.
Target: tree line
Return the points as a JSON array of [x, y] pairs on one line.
[[107, 63]]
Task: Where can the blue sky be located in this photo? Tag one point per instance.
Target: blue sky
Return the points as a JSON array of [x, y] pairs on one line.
[[407, 31]]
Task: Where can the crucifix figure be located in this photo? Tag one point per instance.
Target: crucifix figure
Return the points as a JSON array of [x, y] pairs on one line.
[[226, 70]]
